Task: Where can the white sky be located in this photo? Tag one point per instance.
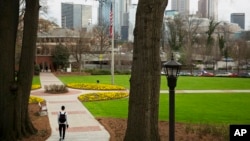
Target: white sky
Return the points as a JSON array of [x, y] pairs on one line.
[[225, 8]]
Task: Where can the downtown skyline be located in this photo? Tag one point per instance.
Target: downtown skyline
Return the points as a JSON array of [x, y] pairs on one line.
[[225, 8]]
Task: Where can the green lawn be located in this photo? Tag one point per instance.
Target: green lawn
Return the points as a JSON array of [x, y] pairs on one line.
[[36, 80], [228, 108], [122, 80], [184, 82], [190, 108]]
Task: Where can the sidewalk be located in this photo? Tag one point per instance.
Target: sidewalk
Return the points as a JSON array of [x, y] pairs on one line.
[[82, 125], [207, 91]]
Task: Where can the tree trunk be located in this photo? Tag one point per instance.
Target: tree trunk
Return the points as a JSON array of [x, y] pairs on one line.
[[145, 78], [15, 89], [8, 32], [27, 59]]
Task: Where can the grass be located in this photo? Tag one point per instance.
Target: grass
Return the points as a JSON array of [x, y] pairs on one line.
[[111, 108], [122, 80], [190, 108], [36, 80], [212, 83], [229, 108], [184, 82]]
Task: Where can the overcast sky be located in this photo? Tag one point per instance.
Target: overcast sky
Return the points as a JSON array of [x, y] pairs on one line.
[[225, 8]]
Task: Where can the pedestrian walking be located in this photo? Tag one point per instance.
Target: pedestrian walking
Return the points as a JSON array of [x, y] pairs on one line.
[[62, 122]]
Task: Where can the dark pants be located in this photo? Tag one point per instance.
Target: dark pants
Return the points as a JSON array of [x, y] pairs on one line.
[[62, 128]]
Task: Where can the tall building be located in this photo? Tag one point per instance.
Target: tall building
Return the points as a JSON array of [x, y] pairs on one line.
[[124, 20], [182, 6], [75, 16], [208, 9], [238, 18], [119, 16]]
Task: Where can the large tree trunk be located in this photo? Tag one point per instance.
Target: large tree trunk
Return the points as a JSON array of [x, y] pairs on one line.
[[26, 73], [15, 90], [8, 29], [145, 78]]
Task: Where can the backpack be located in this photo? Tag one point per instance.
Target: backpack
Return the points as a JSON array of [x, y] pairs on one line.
[[62, 117]]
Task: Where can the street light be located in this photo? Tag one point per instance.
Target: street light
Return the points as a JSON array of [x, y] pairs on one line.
[[171, 69]]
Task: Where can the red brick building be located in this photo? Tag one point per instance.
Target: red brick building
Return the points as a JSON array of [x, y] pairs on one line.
[[46, 42]]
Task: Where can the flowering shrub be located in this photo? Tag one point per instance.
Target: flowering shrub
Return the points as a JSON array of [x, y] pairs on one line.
[[94, 86], [55, 89], [102, 96], [35, 99], [34, 87]]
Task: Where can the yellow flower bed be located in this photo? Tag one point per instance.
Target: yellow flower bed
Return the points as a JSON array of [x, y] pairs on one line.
[[33, 87], [94, 86], [102, 96], [35, 99]]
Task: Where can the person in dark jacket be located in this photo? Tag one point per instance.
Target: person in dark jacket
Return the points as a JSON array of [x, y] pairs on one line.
[[62, 122]]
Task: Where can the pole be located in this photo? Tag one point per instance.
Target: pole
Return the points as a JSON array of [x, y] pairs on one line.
[[112, 48], [171, 84], [171, 115]]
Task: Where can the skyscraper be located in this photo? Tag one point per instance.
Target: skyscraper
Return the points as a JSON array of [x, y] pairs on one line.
[[182, 6], [238, 18], [208, 9], [75, 16]]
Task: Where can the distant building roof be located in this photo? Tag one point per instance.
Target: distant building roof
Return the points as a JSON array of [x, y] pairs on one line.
[[59, 32]]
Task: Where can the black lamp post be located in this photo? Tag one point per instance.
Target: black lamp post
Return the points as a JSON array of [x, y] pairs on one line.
[[172, 69]]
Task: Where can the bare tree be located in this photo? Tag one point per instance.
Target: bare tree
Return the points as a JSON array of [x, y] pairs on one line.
[[191, 31], [175, 32], [145, 78], [225, 41], [240, 52], [80, 47], [102, 41], [210, 44]]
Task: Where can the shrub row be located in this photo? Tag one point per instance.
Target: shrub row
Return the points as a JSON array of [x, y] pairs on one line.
[[34, 87], [35, 99], [105, 72], [98, 96]]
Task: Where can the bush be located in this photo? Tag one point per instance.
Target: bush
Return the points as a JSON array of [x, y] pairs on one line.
[[122, 72], [35, 99], [98, 72], [36, 70], [34, 87], [55, 89]]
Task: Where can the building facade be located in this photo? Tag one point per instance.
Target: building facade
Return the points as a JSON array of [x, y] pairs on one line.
[[75, 16], [119, 16], [182, 6], [238, 18], [208, 9]]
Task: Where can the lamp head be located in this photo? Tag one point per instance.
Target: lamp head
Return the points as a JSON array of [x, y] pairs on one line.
[[172, 67]]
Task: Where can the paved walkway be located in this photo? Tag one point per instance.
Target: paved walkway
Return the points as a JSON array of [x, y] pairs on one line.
[[82, 125], [208, 91]]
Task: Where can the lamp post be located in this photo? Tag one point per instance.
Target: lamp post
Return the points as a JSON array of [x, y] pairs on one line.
[[172, 69]]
